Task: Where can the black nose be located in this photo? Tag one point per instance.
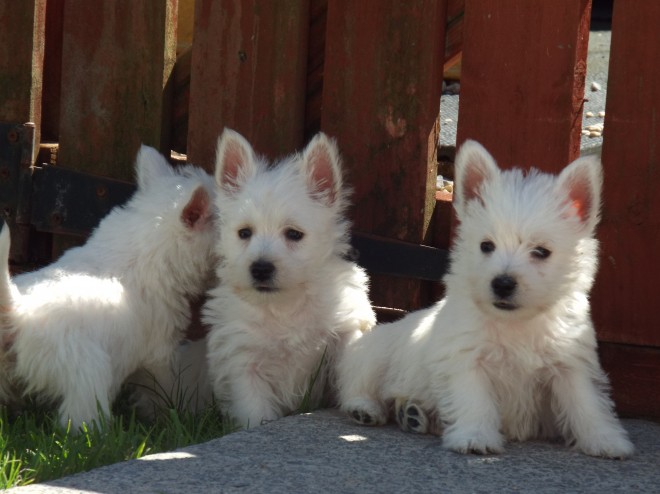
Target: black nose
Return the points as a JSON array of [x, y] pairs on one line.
[[262, 270], [504, 285]]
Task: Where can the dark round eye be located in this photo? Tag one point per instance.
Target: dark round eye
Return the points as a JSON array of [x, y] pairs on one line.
[[293, 235], [487, 246], [244, 233], [540, 252]]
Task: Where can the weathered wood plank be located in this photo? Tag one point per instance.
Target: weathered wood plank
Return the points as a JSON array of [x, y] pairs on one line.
[[52, 84], [522, 79], [625, 299], [117, 60], [248, 73], [634, 374], [22, 28], [381, 93]]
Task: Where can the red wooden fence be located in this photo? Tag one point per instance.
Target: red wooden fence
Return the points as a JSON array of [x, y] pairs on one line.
[[368, 73]]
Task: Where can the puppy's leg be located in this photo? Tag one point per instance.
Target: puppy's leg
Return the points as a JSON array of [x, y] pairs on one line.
[[410, 416], [471, 411], [585, 413], [359, 372], [252, 401]]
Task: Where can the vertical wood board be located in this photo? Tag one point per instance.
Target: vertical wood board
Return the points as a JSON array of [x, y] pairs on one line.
[[634, 374], [522, 79], [381, 93], [22, 27], [248, 73], [625, 297], [52, 84], [117, 60]]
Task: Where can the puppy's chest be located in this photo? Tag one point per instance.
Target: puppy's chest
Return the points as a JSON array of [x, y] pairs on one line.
[[292, 332], [518, 362]]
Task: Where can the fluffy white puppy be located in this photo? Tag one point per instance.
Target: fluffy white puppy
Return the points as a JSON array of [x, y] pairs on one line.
[[510, 352], [288, 299], [74, 330]]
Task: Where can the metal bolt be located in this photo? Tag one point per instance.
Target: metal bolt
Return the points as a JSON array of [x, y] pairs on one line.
[[242, 56], [56, 219], [101, 191], [12, 136]]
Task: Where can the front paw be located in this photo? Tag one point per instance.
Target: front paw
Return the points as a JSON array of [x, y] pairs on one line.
[[365, 411], [613, 445], [478, 441]]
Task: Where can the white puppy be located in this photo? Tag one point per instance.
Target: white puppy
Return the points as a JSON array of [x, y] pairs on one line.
[[288, 299], [74, 330], [510, 352]]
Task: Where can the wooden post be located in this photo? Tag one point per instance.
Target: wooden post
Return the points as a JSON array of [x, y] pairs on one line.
[[248, 73], [624, 300], [50, 107], [21, 61], [117, 60], [381, 95], [22, 27], [522, 79]]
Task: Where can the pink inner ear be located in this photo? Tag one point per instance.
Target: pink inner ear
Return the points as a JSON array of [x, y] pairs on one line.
[[234, 158], [472, 180], [321, 173], [196, 211], [580, 199]]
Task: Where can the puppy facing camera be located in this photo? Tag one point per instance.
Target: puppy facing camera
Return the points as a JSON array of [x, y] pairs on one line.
[[510, 352], [288, 299]]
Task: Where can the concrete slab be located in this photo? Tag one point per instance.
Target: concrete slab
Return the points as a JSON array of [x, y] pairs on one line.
[[326, 452]]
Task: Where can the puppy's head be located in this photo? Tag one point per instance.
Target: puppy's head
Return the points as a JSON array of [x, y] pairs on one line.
[[525, 240], [176, 204], [280, 224]]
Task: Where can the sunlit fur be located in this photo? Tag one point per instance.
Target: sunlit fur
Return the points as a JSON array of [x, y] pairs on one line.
[[74, 330], [267, 342], [488, 373]]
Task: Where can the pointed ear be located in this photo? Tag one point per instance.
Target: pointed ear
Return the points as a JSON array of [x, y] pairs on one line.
[[235, 160], [582, 182], [196, 212], [150, 165], [322, 169], [473, 166]]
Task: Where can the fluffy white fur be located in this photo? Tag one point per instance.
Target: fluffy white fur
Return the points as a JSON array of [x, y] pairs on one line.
[[510, 352], [288, 298], [74, 330]]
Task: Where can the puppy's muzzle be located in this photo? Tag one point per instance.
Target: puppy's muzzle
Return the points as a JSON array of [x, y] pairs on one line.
[[262, 273], [504, 287]]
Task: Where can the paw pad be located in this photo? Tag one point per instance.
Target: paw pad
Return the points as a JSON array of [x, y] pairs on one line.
[[410, 416], [362, 417]]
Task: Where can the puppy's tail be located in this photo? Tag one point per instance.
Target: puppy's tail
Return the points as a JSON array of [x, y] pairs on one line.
[[5, 281], [8, 393]]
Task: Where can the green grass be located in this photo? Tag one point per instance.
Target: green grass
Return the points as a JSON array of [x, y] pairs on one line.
[[35, 448]]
